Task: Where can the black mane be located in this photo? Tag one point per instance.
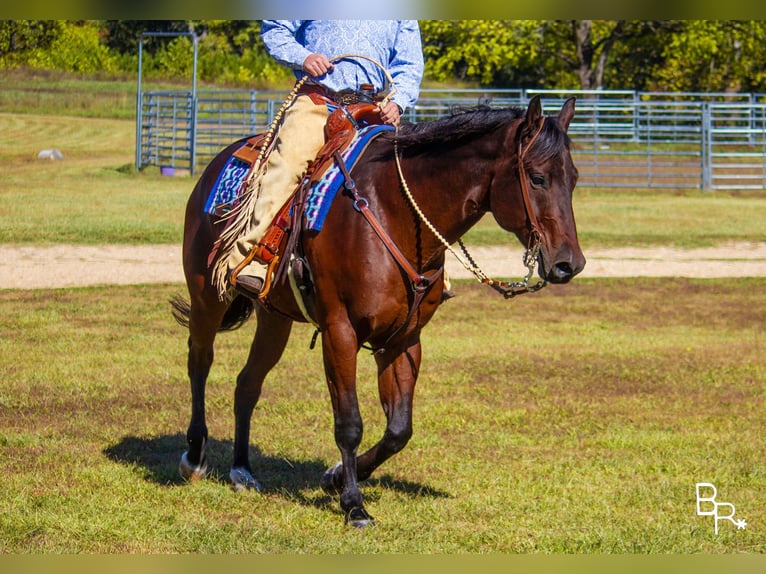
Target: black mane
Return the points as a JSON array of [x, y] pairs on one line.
[[468, 123], [463, 123]]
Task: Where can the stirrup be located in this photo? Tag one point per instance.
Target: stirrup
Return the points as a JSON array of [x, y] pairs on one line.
[[249, 285]]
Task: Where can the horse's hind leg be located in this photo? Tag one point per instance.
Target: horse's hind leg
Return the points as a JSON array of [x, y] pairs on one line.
[[271, 336], [205, 316], [397, 373]]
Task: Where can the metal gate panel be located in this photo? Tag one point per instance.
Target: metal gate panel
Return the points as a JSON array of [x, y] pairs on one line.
[[639, 145], [226, 116], [684, 141], [166, 130], [736, 146]]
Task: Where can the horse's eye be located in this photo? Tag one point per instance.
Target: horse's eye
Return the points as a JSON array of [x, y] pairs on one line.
[[538, 180]]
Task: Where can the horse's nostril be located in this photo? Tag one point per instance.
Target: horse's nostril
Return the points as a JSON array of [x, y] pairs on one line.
[[561, 272]]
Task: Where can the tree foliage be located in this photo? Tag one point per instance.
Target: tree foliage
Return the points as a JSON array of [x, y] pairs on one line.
[[488, 52], [19, 37], [689, 55], [715, 56], [681, 55], [77, 49]]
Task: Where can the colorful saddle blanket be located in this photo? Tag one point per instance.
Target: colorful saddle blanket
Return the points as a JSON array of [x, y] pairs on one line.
[[228, 186], [323, 191]]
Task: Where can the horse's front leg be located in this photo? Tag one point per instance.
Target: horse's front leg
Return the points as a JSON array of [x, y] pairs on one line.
[[339, 348], [269, 342], [397, 372]]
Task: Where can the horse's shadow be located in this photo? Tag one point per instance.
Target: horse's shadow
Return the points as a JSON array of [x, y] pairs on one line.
[[156, 458]]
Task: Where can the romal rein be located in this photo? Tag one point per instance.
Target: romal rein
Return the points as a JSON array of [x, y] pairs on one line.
[[506, 288]]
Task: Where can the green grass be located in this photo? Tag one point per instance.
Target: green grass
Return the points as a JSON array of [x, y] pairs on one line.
[[574, 420], [641, 218], [94, 195]]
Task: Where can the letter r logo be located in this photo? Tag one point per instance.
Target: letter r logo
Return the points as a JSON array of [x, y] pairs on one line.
[[706, 494]]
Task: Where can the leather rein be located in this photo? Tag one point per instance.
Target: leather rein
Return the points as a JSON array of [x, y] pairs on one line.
[[419, 282]]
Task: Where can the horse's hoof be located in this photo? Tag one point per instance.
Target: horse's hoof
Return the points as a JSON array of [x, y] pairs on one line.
[[241, 479], [332, 479], [191, 471], [358, 517]]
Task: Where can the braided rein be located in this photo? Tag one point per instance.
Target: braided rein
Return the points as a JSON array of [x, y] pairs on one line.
[[507, 289]]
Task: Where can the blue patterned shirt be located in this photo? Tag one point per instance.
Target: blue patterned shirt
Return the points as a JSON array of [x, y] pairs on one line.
[[395, 44]]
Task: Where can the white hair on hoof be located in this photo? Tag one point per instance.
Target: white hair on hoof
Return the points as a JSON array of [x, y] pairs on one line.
[[241, 479], [190, 471]]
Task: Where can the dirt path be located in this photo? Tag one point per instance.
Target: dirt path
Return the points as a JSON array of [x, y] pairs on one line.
[[67, 266]]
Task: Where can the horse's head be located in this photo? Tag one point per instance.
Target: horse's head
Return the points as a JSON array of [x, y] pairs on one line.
[[532, 193]]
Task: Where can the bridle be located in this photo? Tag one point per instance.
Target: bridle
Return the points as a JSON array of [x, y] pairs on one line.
[[508, 289]]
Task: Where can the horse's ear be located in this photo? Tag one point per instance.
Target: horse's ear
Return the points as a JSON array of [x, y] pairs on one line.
[[532, 119], [534, 112], [566, 114]]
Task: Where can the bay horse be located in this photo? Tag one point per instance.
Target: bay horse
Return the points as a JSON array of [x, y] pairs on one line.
[[514, 163]]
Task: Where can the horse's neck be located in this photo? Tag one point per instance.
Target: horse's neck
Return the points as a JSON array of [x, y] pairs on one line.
[[456, 197]]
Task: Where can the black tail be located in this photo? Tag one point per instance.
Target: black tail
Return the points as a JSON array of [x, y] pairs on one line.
[[239, 311]]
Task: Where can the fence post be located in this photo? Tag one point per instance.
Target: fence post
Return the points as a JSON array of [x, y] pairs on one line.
[[707, 148], [139, 105], [140, 95], [193, 151]]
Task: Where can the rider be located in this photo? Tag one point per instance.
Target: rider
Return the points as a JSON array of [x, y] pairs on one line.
[[307, 46]]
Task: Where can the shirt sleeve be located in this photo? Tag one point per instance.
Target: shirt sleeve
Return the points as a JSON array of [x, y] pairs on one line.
[[406, 64], [279, 38]]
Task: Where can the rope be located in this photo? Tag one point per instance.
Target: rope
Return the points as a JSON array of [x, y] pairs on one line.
[[506, 288], [392, 87], [472, 267]]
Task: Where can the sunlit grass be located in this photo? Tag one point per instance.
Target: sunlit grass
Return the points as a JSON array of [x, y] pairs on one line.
[[574, 420]]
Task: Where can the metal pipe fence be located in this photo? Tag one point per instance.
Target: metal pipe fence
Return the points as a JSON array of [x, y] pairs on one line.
[[619, 138]]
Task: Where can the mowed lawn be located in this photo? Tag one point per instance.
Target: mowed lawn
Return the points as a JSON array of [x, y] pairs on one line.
[[575, 420]]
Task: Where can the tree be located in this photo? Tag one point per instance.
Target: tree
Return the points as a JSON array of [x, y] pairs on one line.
[[124, 35], [562, 54], [634, 62], [714, 56], [18, 37], [497, 53], [588, 54]]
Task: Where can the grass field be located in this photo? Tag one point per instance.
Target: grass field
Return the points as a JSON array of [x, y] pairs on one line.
[[576, 420], [58, 93]]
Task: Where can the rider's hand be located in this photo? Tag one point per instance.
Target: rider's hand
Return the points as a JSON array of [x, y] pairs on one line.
[[316, 65], [390, 114]]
